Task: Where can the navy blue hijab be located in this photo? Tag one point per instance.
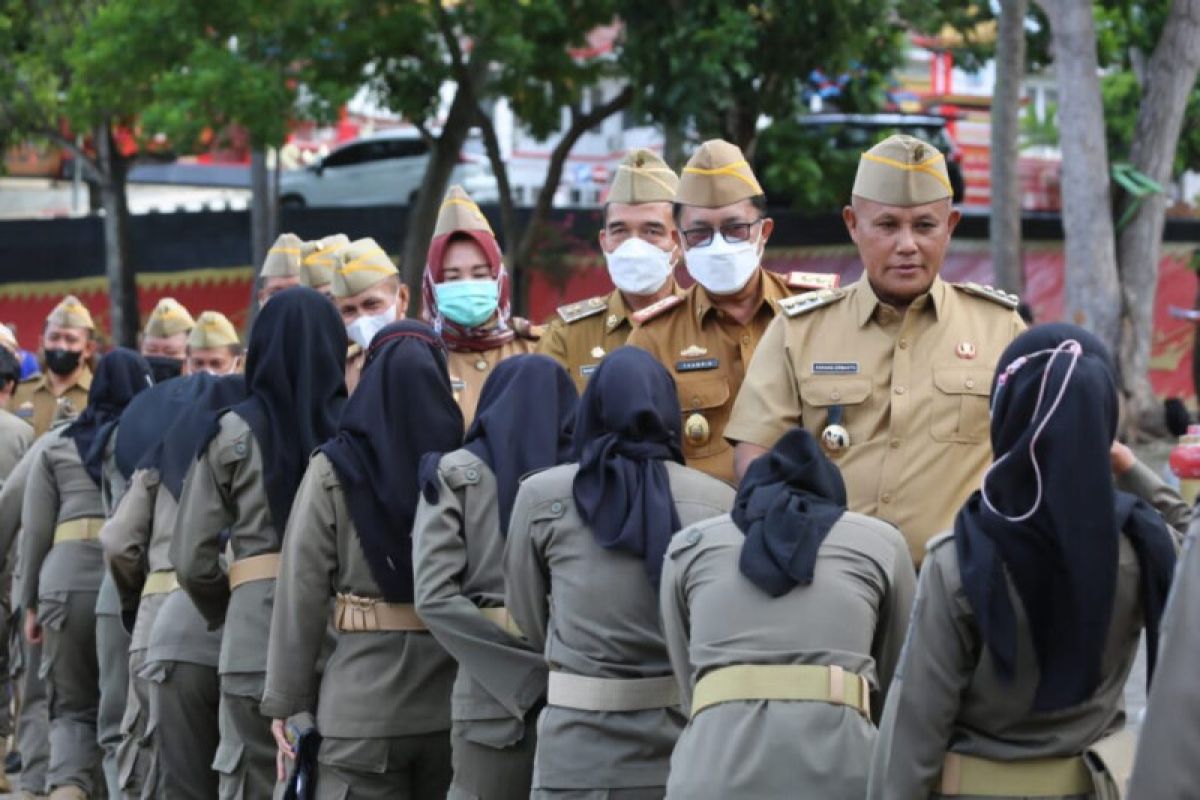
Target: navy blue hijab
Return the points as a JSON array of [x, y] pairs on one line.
[[120, 375], [1062, 559], [786, 504], [402, 408], [627, 427]]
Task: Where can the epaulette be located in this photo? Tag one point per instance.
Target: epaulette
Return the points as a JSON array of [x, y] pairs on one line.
[[655, 309], [684, 540], [1000, 296], [938, 541], [813, 280], [573, 312], [799, 304], [353, 351]]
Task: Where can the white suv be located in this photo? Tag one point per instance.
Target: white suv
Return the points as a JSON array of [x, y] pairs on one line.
[[385, 169]]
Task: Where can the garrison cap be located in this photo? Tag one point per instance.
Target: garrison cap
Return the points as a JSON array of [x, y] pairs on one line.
[[168, 318], [460, 213], [717, 175], [319, 258], [643, 177], [213, 329], [363, 263], [283, 259], [70, 313], [902, 171], [7, 339]]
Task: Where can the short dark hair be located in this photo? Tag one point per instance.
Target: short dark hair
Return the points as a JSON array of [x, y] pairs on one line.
[[10, 369], [759, 201]]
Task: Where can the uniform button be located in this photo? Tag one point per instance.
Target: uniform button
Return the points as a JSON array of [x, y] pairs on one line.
[[899, 390], [835, 395], [692, 536], [556, 507], [904, 344], [696, 400], [472, 474], [887, 497], [746, 340], [970, 382], [240, 448], [895, 444]]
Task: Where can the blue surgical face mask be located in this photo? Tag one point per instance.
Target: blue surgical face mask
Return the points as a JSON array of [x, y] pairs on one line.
[[468, 303]]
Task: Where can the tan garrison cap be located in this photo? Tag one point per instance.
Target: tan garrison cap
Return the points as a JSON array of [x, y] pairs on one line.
[[459, 213], [168, 318], [902, 171], [319, 258], [283, 259], [643, 177], [7, 339], [71, 313], [213, 329], [717, 175], [363, 264]]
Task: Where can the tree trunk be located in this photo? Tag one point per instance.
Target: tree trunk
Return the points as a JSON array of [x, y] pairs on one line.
[[118, 263], [1092, 288], [1008, 267], [1170, 75], [673, 138], [508, 211]]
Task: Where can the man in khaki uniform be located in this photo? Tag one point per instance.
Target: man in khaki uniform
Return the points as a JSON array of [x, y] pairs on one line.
[[281, 268], [68, 342], [369, 295], [318, 260], [894, 372], [707, 340], [639, 246], [213, 345], [164, 339]]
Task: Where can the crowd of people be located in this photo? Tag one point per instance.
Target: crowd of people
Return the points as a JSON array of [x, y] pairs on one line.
[[763, 537]]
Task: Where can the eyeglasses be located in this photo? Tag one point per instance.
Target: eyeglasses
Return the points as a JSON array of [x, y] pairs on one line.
[[733, 233]]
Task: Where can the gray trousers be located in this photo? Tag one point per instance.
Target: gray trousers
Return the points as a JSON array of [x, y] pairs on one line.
[[493, 773], [246, 754], [33, 716], [72, 688], [183, 729], [397, 768], [134, 757], [112, 648]]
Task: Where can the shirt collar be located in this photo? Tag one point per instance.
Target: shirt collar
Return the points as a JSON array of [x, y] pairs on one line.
[[866, 301], [772, 292]]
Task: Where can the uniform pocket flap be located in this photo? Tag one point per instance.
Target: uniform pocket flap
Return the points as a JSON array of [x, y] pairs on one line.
[[702, 392], [228, 757], [834, 390], [963, 380]]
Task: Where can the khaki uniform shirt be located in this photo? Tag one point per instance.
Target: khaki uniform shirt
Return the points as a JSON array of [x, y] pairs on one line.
[[469, 369], [36, 404], [912, 388], [594, 612], [377, 684], [458, 561], [707, 353]]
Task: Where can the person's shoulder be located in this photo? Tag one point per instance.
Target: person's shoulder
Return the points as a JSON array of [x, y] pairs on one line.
[[14, 425], [804, 305], [989, 297], [692, 485], [877, 540], [705, 536], [653, 317], [550, 483], [804, 282], [572, 313], [461, 467]]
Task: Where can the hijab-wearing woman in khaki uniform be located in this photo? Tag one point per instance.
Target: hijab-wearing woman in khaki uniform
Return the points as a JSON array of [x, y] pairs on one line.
[[383, 703], [524, 422], [1028, 614]]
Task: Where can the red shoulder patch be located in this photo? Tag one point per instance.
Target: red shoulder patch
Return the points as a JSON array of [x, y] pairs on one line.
[[655, 309], [809, 281]]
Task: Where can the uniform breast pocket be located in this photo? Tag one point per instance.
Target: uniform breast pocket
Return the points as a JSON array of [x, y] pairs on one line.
[[960, 404], [821, 394], [704, 400]]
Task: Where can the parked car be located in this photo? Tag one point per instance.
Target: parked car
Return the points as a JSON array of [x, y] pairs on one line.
[[386, 168]]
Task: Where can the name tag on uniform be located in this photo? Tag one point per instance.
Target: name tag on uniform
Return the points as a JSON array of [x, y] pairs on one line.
[[697, 364], [457, 385], [835, 368], [586, 370]]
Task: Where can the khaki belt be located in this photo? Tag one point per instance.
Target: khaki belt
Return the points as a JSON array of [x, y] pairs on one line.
[[1033, 777], [163, 582], [254, 568], [83, 529], [826, 684], [611, 694], [354, 614], [502, 619]]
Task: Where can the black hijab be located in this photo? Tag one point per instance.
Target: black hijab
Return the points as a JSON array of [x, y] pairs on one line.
[[1062, 558], [628, 425], [402, 408], [786, 504], [120, 375], [296, 384]]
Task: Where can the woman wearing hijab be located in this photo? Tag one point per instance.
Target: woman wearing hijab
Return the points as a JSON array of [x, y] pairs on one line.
[[582, 563], [383, 704], [524, 422], [467, 298], [1028, 613], [240, 489], [784, 620], [62, 566]]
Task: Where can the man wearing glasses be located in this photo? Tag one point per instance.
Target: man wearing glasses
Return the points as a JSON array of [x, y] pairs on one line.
[[707, 341]]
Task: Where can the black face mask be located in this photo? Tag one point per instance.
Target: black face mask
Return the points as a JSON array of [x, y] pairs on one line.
[[62, 362], [163, 368]]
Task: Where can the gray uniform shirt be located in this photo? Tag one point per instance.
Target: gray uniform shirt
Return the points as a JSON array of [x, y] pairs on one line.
[[458, 561], [854, 615], [376, 684], [594, 612], [15, 437]]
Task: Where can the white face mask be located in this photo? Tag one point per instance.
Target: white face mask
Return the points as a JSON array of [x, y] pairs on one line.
[[638, 267], [721, 267], [363, 329]]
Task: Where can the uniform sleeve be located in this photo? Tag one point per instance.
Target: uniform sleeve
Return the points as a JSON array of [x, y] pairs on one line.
[[767, 405], [300, 617], [1143, 482], [11, 498], [39, 515], [893, 618], [677, 629], [554, 342], [14, 442], [498, 661], [126, 537], [526, 579], [935, 666], [112, 483], [205, 509]]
